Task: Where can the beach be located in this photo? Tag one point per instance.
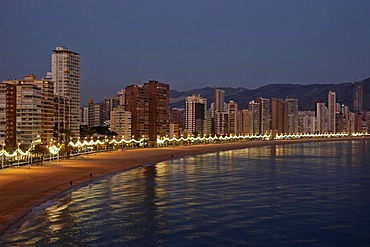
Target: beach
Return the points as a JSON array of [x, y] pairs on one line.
[[23, 189]]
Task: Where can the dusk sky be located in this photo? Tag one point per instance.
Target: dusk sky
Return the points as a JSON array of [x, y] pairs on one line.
[[189, 43]]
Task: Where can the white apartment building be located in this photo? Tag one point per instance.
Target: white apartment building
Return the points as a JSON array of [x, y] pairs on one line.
[[196, 115], [65, 70]]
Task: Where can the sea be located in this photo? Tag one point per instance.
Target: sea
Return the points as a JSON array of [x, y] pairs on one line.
[[304, 194]]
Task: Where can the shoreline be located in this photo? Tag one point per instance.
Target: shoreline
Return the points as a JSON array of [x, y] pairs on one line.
[[23, 189]]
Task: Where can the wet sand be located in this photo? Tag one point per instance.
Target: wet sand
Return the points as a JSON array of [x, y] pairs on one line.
[[22, 189]]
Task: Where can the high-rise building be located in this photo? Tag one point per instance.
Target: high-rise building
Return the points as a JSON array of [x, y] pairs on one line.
[[254, 116], [8, 111], [292, 115], [136, 102], [244, 120], [321, 117], [331, 111], [357, 97], [121, 122], [233, 118], [306, 122], [264, 114], [29, 110], [65, 70], [219, 100], [159, 109], [279, 116], [195, 115], [96, 115], [47, 106], [178, 117], [221, 123]]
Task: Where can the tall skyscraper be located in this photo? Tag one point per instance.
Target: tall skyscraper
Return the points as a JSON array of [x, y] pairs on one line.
[[138, 104], [292, 115], [233, 117], [219, 100], [196, 115], [332, 103], [65, 70], [321, 111], [254, 114], [279, 116], [244, 120], [357, 97], [159, 109], [264, 114]]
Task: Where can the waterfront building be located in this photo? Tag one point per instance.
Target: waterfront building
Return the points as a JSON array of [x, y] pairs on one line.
[[221, 123], [321, 117], [65, 70], [264, 114], [174, 131], [47, 106], [29, 111], [357, 97], [136, 102], [367, 120], [209, 123], [24, 118], [219, 100], [254, 117], [292, 115], [8, 114], [279, 116], [159, 109], [96, 114], [306, 122], [178, 117], [331, 111], [244, 120], [233, 118], [195, 115], [120, 122]]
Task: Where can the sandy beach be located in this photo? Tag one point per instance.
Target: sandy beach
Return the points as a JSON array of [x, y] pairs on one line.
[[23, 189]]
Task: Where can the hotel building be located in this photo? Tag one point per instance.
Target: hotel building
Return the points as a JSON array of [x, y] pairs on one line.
[[331, 111], [65, 70], [29, 111], [196, 115]]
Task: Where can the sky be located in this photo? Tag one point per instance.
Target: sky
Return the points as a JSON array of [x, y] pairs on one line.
[[189, 43]]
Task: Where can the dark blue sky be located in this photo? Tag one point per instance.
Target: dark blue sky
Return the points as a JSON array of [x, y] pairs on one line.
[[189, 43]]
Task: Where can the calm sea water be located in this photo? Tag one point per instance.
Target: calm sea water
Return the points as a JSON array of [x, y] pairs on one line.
[[284, 195]]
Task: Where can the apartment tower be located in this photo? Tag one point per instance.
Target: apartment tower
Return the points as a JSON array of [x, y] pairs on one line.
[[331, 111], [196, 115], [65, 70], [159, 109]]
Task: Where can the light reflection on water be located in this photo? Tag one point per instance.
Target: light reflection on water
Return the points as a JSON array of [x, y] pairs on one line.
[[300, 194]]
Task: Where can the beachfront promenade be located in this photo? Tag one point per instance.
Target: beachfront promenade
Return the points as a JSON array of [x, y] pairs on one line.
[[58, 151], [23, 188]]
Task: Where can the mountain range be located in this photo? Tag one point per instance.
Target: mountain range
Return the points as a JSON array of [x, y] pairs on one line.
[[307, 95]]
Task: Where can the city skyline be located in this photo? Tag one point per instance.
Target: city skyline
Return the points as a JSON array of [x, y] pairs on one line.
[[189, 45]]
